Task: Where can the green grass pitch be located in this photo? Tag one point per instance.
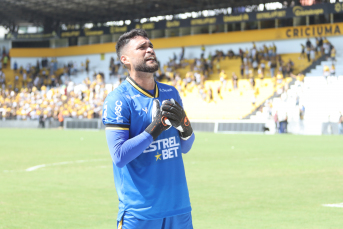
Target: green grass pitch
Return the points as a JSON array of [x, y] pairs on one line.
[[235, 181]]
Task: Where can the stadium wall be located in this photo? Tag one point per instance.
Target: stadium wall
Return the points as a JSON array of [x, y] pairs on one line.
[[214, 126]]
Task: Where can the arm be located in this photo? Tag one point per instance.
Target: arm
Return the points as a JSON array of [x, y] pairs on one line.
[[186, 145], [122, 149]]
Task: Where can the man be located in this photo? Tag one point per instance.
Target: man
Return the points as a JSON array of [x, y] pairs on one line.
[[145, 146], [326, 72]]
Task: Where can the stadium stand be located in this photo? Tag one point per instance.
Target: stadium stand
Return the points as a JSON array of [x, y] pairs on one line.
[[221, 73], [248, 94]]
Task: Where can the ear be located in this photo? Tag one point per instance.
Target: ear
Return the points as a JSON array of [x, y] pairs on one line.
[[125, 60]]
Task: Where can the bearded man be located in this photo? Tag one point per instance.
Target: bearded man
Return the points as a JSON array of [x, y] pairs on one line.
[[147, 132]]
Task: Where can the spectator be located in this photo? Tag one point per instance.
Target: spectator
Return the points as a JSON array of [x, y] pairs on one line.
[[37, 67], [242, 70], [308, 53], [255, 66], [112, 67], [272, 66], [223, 78], [260, 75], [302, 54], [332, 70], [326, 47], [308, 43], [15, 66], [333, 55], [317, 45], [5, 61], [274, 50], [60, 118], [16, 78], [320, 44], [241, 54], [210, 95], [87, 66], [218, 66], [41, 120], [252, 79], [326, 72], [230, 54], [234, 81], [202, 51], [219, 91], [182, 54]]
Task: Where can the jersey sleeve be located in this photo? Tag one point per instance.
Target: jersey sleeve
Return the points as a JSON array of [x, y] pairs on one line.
[[116, 113]]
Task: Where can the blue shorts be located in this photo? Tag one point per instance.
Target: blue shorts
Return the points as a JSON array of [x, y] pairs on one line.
[[183, 221]]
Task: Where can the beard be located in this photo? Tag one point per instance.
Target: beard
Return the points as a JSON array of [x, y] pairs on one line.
[[143, 67]]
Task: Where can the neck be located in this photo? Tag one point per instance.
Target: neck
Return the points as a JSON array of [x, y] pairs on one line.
[[143, 79]]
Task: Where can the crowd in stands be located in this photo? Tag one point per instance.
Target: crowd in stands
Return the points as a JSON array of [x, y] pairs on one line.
[[256, 63], [76, 101], [48, 92], [325, 48], [321, 45], [4, 60]]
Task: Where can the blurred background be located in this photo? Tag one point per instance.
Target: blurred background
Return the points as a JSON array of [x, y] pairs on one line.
[[256, 77], [249, 66]]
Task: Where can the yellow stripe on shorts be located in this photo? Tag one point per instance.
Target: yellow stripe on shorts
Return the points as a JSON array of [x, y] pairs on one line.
[[120, 225]]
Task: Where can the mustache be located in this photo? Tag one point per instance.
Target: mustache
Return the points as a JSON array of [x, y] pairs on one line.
[[146, 58]]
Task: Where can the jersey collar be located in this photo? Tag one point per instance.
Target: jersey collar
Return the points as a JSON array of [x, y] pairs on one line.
[[141, 90]]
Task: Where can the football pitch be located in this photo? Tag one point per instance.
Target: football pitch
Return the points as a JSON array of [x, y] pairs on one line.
[[63, 179]]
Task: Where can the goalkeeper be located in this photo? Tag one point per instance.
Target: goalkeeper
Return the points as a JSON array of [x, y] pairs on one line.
[[147, 132]]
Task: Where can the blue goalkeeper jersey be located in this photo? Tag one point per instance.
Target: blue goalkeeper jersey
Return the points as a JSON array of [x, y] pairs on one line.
[[153, 185]]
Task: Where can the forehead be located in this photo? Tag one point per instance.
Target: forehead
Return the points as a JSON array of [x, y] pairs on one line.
[[136, 41]]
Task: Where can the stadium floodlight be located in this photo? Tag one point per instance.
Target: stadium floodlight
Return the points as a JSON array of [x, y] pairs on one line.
[[143, 20], [89, 25], [273, 5], [169, 17]]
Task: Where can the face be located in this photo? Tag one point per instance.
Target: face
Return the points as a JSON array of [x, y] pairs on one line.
[[140, 55]]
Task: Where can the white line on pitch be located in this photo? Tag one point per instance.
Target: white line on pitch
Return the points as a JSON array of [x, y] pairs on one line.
[[340, 205], [61, 163]]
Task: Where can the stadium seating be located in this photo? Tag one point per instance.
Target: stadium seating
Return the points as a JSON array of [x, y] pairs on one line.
[[229, 104], [233, 104]]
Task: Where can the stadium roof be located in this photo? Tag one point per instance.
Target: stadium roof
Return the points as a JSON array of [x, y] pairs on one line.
[[41, 12]]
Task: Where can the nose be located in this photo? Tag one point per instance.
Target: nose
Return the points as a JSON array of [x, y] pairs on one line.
[[150, 50]]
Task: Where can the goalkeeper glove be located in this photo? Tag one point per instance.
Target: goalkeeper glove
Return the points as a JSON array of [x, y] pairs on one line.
[[177, 117], [158, 124]]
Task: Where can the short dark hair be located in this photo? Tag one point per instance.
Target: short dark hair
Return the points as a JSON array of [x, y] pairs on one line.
[[126, 37]]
